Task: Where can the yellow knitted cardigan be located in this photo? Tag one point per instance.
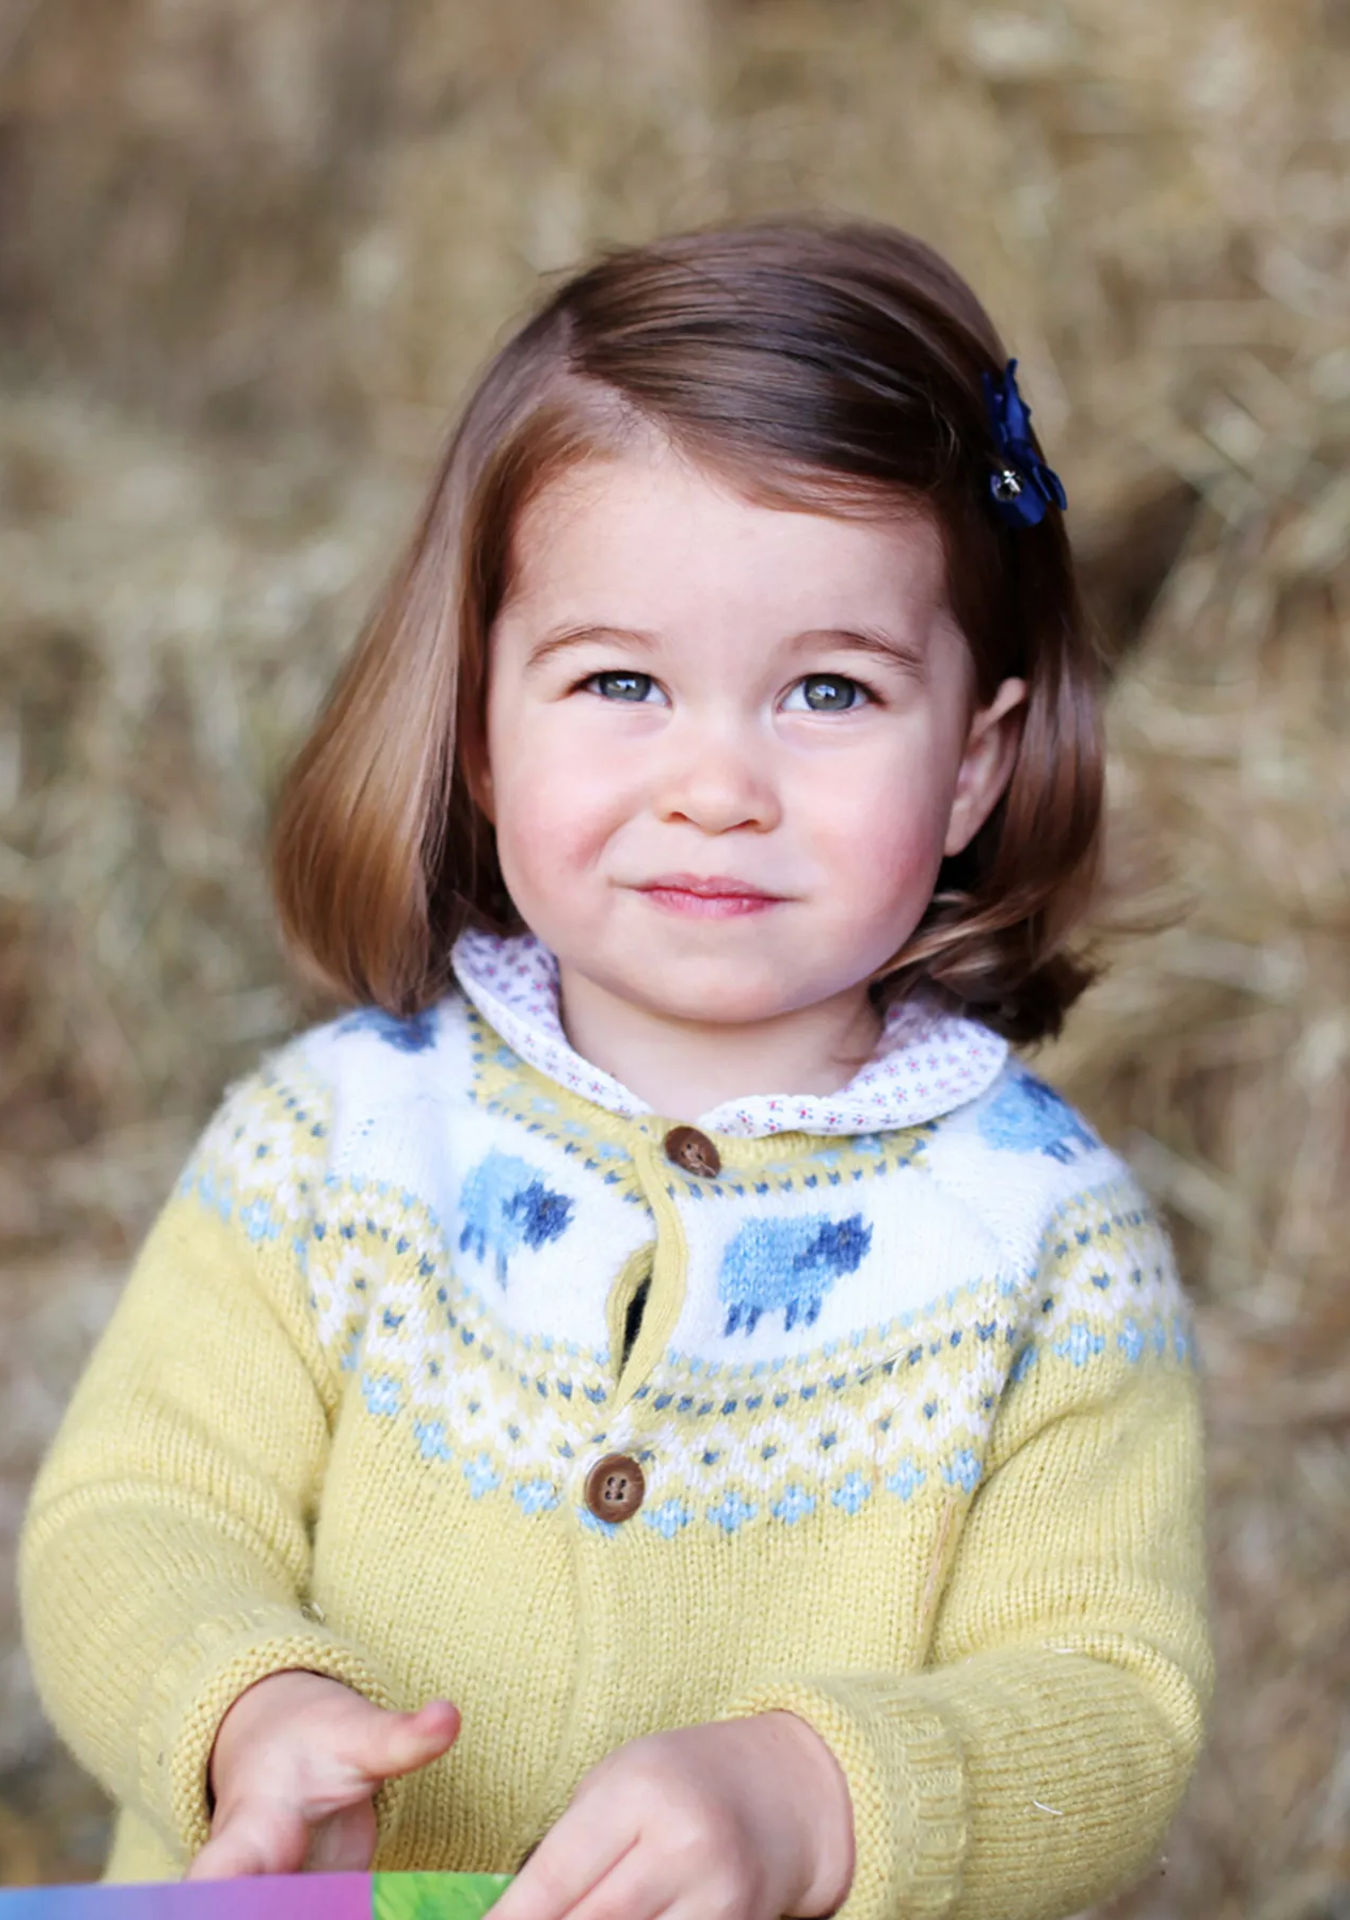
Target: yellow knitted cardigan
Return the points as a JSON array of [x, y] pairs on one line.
[[325, 1430]]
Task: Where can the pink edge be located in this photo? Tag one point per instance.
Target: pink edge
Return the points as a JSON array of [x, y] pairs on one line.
[[298, 1896]]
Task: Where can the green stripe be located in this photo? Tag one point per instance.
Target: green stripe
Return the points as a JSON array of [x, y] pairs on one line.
[[434, 1896]]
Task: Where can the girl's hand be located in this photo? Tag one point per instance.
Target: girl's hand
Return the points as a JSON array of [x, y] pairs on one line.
[[295, 1766], [738, 1820]]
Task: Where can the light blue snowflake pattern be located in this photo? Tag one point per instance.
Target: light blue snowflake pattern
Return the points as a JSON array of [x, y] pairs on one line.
[[1080, 1344], [670, 1518], [1131, 1340], [852, 1492], [963, 1470], [906, 1480], [209, 1191], [381, 1393], [431, 1440], [732, 1512], [536, 1496], [594, 1524], [258, 1221], [481, 1475], [795, 1504]]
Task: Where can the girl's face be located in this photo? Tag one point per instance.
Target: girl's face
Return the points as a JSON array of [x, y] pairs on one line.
[[728, 745]]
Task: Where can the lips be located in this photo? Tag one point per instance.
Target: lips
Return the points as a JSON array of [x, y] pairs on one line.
[[708, 887], [703, 896]]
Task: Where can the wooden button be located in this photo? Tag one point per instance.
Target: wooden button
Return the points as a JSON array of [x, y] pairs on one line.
[[614, 1487], [693, 1151]]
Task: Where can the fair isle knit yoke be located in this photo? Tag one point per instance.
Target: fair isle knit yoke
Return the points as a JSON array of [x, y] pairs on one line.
[[912, 1393]]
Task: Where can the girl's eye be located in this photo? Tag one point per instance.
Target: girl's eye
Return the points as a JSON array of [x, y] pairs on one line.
[[827, 693], [616, 685]]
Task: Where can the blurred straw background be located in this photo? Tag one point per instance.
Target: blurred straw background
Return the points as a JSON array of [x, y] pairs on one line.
[[250, 253]]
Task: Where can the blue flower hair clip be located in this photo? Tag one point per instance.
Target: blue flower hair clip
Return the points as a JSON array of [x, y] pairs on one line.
[[1023, 487]]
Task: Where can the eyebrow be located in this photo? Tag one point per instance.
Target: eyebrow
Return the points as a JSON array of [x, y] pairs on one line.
[[563, 637], [865, 640]]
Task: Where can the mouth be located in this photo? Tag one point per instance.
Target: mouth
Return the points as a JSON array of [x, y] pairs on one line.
[[708, 896]]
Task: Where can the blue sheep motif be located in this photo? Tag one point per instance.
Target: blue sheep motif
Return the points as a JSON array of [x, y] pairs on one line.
[[411, 1035], [506, 1205], [1029, 1117], [787, 1264]]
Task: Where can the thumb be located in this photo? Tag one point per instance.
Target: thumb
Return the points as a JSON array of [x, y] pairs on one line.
[[390, 1744]]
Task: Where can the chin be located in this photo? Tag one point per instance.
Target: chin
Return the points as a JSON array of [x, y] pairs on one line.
[[699, 996]]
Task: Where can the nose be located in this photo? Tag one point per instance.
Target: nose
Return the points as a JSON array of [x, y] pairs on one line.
[[716, 779]]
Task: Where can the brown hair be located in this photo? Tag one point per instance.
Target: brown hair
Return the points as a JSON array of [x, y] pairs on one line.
[[814, 363]]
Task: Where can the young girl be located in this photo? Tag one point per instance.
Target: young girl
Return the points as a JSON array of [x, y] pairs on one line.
[[658, 1397]]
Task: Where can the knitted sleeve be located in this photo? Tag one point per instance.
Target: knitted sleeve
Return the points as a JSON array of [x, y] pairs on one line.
[[165, 1554], [1034, 1764]]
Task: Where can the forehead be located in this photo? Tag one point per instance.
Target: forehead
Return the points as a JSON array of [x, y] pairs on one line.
[[653, 530]]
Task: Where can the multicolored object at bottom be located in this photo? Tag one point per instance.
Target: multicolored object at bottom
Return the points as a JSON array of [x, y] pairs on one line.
[[297, 1896]]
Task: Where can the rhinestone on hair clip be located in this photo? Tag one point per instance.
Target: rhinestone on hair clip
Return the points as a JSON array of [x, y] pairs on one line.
[[1023, 486]]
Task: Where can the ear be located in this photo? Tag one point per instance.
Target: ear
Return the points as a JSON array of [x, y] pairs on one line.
[[986, 763]]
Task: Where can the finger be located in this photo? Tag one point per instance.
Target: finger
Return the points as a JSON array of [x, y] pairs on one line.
[[253, 1838], [564, 1868], [344, 1843], [633, 1889], [390, 1744]]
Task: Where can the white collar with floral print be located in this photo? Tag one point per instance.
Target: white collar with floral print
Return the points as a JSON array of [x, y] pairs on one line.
[[926, 1061]]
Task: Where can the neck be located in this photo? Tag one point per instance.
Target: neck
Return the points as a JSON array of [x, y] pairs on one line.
[[685, 1068]]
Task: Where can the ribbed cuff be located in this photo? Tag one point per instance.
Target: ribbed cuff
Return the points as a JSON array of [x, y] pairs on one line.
[[904, 1774], [203, 1677]]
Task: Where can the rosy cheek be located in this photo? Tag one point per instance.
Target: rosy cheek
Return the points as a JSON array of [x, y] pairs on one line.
[[881, 845], [550, 819], [904, 839], [881, 814]]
